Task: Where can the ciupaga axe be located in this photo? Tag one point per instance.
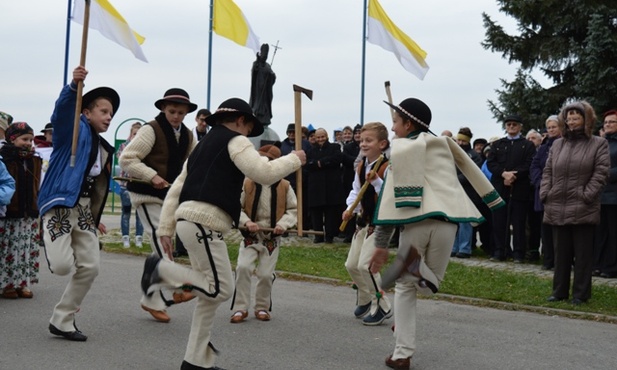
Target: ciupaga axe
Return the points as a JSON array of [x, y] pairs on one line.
[[298, 91]]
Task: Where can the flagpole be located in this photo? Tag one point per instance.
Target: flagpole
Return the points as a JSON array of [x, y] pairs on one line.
[[67, 42], [80, 83], [365, 10], [210, 55]]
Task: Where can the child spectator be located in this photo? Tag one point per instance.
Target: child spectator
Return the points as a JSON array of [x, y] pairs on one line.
[[21, 236]]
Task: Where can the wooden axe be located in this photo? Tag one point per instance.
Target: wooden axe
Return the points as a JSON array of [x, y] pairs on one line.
[[298, 91]]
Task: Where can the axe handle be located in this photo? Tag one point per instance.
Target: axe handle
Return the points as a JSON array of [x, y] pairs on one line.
[[389, 95], [362, 191], [298, 143], [292, 231]]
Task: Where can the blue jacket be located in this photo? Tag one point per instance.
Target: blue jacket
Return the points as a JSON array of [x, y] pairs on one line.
[[62, 184], [7, 185]]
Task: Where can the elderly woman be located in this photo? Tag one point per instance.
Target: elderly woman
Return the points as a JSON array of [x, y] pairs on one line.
[[605, 248], [553, 132], [572, 182]]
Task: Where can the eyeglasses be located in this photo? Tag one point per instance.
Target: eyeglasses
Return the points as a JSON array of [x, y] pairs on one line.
[[511, 124], [610, 122]]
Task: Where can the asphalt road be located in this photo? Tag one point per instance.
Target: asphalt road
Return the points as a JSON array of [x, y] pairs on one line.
[[312, 327]]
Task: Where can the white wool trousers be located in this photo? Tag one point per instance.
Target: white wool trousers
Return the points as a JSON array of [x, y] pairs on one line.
[[211, 280], [249, 257], [358, 263], [433, 239], [149, 214], [71, 241]]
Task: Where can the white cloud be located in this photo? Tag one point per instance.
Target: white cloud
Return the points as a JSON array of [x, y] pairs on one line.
[[321, 44]]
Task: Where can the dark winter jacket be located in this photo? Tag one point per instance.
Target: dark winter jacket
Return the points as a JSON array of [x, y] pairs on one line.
[[573, 179], [537, 166], [511, 155], [609, 195], [325, 187]]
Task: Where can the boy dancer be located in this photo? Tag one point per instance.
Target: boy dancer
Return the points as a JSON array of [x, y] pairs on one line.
[[201, 206], [373, 142], [269, 206], [71, 199], [417, 195], [155, 156]]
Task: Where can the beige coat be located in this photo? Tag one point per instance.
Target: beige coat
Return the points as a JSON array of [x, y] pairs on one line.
[[422, 183]]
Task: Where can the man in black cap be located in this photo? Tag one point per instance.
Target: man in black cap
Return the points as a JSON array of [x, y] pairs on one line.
[[154, 159], [203, 205], [508, 161], [72, 198]]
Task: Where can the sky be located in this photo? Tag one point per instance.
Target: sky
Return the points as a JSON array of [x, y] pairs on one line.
[[321, 50]]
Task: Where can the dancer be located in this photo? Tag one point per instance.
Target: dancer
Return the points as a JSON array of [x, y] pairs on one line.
[[201, 206]]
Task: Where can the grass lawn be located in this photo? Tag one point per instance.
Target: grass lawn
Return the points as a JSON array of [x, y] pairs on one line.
[[475, 285]]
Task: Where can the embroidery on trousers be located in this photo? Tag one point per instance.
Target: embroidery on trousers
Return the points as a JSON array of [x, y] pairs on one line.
[[85, 221], [59, 223]]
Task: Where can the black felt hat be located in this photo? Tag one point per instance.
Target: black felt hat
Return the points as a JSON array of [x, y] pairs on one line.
[[235, 106], [177, 96], [48, 127], [415, 110], [101, 92]]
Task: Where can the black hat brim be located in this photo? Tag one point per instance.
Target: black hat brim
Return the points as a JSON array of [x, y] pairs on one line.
[[101, 92], [402, 114], [258, 127], [159, 104]]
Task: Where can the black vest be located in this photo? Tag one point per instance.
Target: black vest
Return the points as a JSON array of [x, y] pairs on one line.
[[212, 177]]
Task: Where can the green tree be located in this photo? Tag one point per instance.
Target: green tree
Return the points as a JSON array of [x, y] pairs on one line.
[[573, 43]]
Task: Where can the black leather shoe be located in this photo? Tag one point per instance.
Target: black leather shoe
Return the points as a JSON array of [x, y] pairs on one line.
[[188, 366], [608, 275], [75, 336], [577, 301], [150, 275], [177, 254], [555, 299]]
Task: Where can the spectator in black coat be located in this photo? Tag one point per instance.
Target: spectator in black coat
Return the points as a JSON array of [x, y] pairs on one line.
[[508, 161], [325, 188]]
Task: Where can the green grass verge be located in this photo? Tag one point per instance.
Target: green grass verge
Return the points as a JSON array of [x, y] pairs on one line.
[[493, 287]]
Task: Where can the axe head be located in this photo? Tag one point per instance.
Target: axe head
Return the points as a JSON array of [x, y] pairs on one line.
[[307, 92]]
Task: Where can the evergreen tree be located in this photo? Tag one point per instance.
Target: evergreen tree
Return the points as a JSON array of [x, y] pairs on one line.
[[573, 43]]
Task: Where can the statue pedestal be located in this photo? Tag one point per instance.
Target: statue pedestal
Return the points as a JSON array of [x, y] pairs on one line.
[[268, 137]]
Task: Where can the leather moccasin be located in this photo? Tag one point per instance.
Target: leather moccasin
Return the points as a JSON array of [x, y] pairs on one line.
[[158, 315], [183, 297], [9, 294], [238, 317], [399, 363], [24, 293], [262, 315]]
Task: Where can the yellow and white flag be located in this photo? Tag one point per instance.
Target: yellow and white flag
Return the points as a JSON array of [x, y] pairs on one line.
[[106, 19], [383, 32], [230, 22]]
